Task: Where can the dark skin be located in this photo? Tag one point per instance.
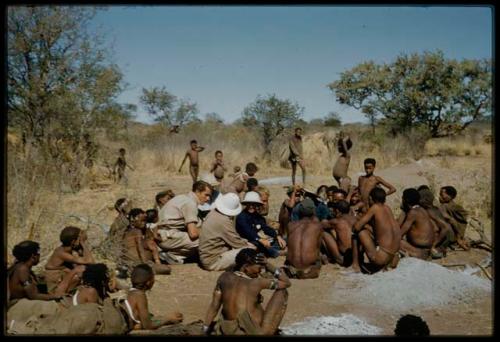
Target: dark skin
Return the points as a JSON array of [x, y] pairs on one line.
[[192, 154], [298, 135], [354, 199], [386, 234], [120, 165], [417, 227], [287, 206], [338, 236], [369, 181], [236, 294], [342, 163], [23, 283], [304, 241], [445, 198], [441, 227], [139, 304], [218, 167], [145, 249]]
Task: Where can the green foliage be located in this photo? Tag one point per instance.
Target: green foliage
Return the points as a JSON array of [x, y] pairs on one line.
[[333, 120], [442, 95], [271, 116], [167, 108]]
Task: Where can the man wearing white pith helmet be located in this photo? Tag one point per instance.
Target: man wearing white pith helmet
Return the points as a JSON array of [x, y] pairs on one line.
[[251, 225], [219, 241]]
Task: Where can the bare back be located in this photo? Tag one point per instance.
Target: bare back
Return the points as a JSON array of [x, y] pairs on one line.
[[343, 227], [304, 240], [341, 166], [193, 157], [386, 228], [421, 232]]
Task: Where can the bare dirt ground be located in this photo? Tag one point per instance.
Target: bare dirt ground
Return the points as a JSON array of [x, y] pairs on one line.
[[188, 289]]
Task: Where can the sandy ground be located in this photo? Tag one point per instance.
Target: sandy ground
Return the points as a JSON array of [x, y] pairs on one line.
[[188, 289]]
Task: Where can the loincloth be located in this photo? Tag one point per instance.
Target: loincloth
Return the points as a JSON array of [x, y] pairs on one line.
[[242, 325], [294, 272]]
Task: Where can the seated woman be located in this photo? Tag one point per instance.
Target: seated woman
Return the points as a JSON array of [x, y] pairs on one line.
[[252, 226], [94, 287]]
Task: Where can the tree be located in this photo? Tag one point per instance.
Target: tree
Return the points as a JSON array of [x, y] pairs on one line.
[[442, 95], [60, 78], [332, 120], [271, 116], [166, 108], [214, 117]]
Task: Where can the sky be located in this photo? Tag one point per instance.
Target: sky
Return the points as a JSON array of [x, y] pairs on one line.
[[223, 57]]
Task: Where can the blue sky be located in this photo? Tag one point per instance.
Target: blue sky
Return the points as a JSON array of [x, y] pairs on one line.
[[222, 57]]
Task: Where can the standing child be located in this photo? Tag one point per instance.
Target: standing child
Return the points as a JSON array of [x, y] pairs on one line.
[[369, 181], [342, 163], [120, 166], [192, 154], [218, 167]]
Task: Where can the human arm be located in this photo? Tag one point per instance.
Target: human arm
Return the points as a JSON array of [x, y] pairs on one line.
[[408, 222], [443, 227], [87, 253], [391, 189], [183, 161], [401, 218], [30, 288], [293, 147], [193, 231], [138, 239], [356, 228], [214, 166], [344, 145], [143, 314], [280, 279], [213, 309]]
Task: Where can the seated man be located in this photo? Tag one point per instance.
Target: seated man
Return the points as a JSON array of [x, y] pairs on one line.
[[135, 306], [111, 246], [304, 240], [238, 293], [321, 210], [138, 248], [294, 194], [416, 226], [382, 246], [219, 241], [62, 260], [443, 234], [180, 223], [253, 227], [338, 234], [454, 214], [23, 283]]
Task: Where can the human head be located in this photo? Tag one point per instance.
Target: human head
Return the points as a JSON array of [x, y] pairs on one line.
[[339, 195], [307, 208], [202, 190], [377, 195], [142, 277], [426, 197], [163, 197], [321, 191], [27, 250], [330, 191], [341, 147], [194, 144], [252, 202], [342, 207], [137, 218], [410, 325], [151, 215], [252, 183], [447, 194], [355, 197], [423, 186], [251, 169], [247, 261], [122, 205], [264, 197], [218, 154], [96, 276], [370, 164], [298, 131], [411, 197], [70, 236], [122, 151]]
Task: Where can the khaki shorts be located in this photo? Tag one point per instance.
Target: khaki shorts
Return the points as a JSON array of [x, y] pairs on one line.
[[177, 243], [225, 260]]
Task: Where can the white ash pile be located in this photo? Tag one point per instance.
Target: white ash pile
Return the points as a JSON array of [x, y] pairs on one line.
[[342, 325]]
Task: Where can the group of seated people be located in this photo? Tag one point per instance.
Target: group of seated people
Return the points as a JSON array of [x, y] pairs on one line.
[[225, 228]]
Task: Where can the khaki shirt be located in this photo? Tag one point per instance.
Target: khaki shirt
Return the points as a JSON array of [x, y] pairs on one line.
[[218, 235], [179, 211]]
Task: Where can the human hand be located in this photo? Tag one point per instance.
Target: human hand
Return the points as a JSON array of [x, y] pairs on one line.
[[260, 259], [281, 242], [265, 242], [175, 317]]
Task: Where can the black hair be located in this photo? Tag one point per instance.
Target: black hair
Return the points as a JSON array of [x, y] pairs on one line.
[[200, 186], [135, 212], [451, 191], [421, 187], [318, 190], [378, 195], [411, 196], [140, 275], [193, 141], [162, 194], [68, 235], [252, 183], [340, 191], [121, 150], [297, 128], [118, 203], [251, 167], [151, 215], [96, 275], [410, 325], [342, 206], [218, 151], [370, 161], [245, 256], [332, 188], [348, 144], [23, 251]]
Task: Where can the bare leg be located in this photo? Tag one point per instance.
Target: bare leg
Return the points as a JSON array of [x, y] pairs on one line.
[[275, 310], [356, 264], [421, 253], [332, 248], [294, 170], [303, 168], [337, 179], [151, 245], [161, 269], [193, 170]]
